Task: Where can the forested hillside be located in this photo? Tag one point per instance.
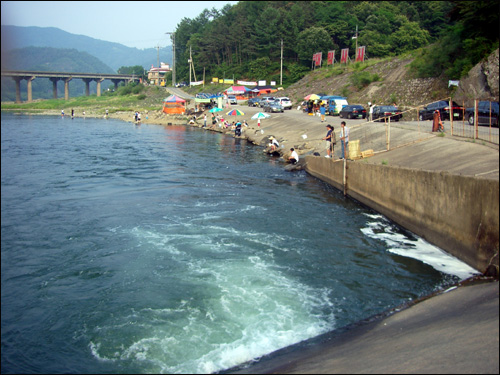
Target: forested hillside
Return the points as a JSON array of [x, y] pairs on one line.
[[445, 39], [244, 40]]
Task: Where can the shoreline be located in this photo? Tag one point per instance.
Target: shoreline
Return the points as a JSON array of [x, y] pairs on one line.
[[419, 337]]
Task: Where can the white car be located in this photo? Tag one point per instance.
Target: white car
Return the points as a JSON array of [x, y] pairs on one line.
[[232, 99], [285, 102]]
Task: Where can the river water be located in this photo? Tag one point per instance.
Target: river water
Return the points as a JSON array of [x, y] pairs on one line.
[[152, 249]]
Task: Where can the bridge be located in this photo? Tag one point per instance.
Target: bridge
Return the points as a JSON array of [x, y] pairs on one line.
[[19, 75]]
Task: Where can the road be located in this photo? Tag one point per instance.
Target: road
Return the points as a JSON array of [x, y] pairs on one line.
[[460, 128]]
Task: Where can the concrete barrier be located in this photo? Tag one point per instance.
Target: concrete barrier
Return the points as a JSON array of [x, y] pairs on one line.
[[459, 214]]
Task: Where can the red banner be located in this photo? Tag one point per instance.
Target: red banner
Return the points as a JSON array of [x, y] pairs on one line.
[[331, 57], [317, 58], [360, 55], [344, 56]]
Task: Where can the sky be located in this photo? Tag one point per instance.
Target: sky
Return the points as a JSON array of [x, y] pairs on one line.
[[140, 24]]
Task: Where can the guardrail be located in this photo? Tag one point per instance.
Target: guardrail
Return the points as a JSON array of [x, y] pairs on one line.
[[383, 134]]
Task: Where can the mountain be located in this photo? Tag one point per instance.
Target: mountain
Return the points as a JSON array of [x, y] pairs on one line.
[[49, 59], [114, 55], [53, 59]]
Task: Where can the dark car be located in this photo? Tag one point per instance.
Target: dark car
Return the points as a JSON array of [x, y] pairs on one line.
[[253, 102], [385, 111], [485, 111], [352, 111], [443, 107]]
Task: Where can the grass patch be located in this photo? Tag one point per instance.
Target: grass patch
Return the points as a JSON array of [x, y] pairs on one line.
[[150, 98]]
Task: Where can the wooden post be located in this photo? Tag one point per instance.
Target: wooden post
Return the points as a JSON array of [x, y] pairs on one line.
[[450, 103], [476, 117]]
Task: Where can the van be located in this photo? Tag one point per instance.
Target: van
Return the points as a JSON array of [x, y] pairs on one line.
[[334, 104]]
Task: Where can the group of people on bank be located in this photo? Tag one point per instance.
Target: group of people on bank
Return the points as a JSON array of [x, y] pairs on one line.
[[331, 140]]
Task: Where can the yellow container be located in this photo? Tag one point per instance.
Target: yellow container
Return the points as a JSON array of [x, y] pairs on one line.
[[354, 152]]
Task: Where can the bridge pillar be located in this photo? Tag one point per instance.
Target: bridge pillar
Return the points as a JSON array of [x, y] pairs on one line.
[[87, 85], [66, 88], [99, 80], [54, 86], [30, 92], [116, 82], [18, 88]]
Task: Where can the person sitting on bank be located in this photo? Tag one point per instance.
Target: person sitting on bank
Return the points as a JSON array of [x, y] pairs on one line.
[[294, 157], [273, 143], [237, 130]]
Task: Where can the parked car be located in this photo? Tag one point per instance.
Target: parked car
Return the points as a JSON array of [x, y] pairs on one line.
[[443, 107], [253, 102], [381, 111], [232, 99], [285, 102], [273, 107], [485, 111], [265, 100], [352, 111]]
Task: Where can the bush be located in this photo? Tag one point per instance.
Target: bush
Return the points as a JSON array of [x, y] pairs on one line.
[[141, 97], [137, 89], [125, 90], [363, 79]]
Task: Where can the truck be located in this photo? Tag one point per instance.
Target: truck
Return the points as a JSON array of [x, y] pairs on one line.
[[334, 103]]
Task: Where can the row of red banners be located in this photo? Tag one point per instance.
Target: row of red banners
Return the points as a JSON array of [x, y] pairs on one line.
[[344, 56]]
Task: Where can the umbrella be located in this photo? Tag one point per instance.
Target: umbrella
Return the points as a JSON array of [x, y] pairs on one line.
[[312, 97], [235, 112], [216, 109], [259, 115]]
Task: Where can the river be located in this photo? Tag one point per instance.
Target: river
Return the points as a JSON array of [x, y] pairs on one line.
[[170, 249]]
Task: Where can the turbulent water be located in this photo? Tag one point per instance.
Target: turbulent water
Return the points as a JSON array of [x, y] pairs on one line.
[[146, 249]]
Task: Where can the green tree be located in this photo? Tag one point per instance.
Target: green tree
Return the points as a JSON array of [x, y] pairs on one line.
[[137, 70], [408, 37], [311, 41]]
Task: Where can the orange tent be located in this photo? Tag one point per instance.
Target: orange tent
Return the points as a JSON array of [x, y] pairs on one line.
[[174, 105]]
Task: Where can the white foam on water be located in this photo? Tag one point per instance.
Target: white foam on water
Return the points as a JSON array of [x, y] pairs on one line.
[[416, 248], [244, 307]]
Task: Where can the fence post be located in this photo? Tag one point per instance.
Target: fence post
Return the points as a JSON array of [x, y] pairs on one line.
[[389, 135], [451, 115], [345, 175], [476, 117], [463, 118]]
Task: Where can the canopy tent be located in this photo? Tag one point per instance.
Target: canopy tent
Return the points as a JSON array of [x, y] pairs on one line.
[[174, 105], [173, 99], [237, 90], [264, 90]]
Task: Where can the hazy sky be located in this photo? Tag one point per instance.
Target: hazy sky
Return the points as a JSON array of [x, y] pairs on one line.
[[140, 24]]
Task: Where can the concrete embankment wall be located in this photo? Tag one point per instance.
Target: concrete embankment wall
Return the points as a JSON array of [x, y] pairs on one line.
[[459, 214]]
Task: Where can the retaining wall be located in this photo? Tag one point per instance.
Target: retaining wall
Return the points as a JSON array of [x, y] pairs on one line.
[[459, 214]]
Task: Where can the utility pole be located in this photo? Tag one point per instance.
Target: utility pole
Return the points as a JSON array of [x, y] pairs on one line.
[[281, 71], [190, 62], [356, 55], [173, 57], [191, 67]]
